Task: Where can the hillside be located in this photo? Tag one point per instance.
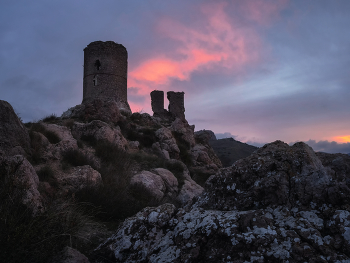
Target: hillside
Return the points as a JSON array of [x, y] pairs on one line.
[[229, 150], [97, 185]]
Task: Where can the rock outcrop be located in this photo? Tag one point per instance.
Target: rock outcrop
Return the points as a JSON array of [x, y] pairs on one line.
[[99, 131], [96, 109], [14, 137], [19, 180], [281, 204]]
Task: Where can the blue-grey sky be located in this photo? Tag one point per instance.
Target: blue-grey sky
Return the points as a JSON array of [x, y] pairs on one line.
[[257, 70]]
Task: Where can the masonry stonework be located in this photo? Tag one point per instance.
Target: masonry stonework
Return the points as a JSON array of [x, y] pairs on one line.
[[176, 104], [105, 73], [157, 102]]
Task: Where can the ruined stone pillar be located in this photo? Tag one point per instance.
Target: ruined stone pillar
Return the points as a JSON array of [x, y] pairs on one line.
[[157, 102], [176, 104]]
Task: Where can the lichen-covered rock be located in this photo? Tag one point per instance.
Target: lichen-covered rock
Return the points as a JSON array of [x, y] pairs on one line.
[[165, 234], [14, 137], [279, 205], [276, 174], [21, 182], [99, 131]]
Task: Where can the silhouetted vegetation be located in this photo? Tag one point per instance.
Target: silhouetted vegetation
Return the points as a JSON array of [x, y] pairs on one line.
[[25, 238], [50, 135], [74, 157], [52, 118], [45, 174], [145, 136]]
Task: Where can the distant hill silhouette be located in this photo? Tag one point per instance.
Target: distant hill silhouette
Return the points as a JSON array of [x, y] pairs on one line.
[[229, 150]]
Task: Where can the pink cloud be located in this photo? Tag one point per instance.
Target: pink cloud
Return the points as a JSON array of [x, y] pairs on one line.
[[216, 44]]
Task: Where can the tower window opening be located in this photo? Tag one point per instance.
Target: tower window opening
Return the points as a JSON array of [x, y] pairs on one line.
[[98, 64], [95, 80]]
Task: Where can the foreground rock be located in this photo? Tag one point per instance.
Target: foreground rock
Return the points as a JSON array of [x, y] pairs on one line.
[[281, 204], [19, 183], [14, 138]]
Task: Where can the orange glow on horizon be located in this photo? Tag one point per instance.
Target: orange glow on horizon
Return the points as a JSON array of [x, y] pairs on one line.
[[342, 139]]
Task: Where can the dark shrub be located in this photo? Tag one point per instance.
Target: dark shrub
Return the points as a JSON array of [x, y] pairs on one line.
[[25, 238], [68, 123], [37, 147], [145, 136], [51, 118], [76, 158], [89, 139], [50, 135], [45, 173]]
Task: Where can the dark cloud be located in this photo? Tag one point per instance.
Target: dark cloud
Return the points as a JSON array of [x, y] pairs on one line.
[[298, 89], [329, 147]]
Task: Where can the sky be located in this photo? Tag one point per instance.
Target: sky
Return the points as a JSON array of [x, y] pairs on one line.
[[254, 70]]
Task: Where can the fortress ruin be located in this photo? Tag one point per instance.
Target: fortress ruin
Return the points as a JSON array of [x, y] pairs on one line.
[[105, 78], [105, 73], [176, 106]]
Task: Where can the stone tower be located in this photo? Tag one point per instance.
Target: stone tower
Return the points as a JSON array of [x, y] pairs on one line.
[[105, 73]]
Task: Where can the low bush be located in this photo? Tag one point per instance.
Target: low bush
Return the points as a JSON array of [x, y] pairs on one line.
[[37, 148], [28, 238], [52, 118], [145, 136], [74, 157], [68, 123], [45, 174], [50, 135]]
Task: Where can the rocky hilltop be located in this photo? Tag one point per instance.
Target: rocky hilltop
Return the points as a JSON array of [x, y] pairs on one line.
[[281, 204], [102, 185], [95, 154]]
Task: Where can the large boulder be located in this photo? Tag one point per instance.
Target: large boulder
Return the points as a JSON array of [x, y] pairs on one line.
[[20, 182], [281, 204], [14, 137], [66, 142], [204, 136], [276, 174], [99, 131], [80, 177]]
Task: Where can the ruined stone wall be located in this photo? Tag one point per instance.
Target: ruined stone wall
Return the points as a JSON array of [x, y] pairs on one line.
[[105, 72], [176, 104], [157, 101]]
